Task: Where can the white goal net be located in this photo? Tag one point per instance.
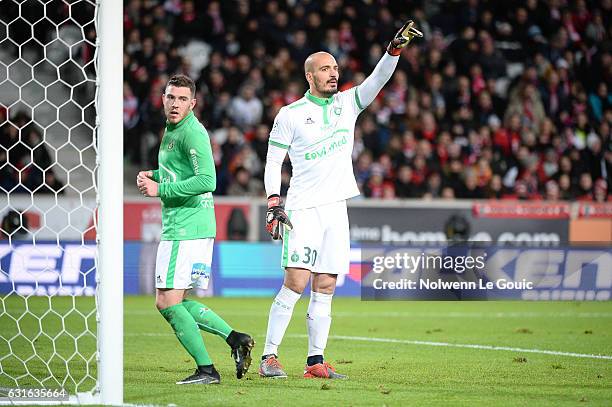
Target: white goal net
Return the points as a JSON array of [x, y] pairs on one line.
[[49, 195]]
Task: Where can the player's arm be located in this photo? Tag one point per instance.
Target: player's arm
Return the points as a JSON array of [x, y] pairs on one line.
[[372, 85], [281, 136], [196, 148]]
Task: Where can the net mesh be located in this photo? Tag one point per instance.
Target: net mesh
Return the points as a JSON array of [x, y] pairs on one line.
[[48, 194]]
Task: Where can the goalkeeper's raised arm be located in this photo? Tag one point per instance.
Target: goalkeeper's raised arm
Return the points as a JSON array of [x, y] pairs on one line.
[[372, 85]]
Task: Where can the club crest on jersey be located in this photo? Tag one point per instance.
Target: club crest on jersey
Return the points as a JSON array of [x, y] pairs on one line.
[[309, 121], [295, 257], [171, 145], [337, 110]]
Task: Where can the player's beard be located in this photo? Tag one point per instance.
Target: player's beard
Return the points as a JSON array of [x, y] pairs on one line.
[[320, 87], [182, 113]]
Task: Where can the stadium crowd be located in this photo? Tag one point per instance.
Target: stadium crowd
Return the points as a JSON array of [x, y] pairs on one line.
[[32, 56], [501, 99], [26, 165]]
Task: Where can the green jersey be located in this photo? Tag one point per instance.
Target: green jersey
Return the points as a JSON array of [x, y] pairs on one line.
[[186, 178]]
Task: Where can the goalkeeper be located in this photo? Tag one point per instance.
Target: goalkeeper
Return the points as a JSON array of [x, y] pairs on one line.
[[317, 132], [184, 182]]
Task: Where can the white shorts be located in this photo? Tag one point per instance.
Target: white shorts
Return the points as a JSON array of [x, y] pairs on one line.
[[319, 240], [184, 264]]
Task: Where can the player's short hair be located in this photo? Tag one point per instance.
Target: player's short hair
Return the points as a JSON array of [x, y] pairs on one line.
[[182, 81]]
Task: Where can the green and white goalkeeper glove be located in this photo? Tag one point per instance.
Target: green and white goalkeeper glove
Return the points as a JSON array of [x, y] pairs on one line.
[[403, 37]]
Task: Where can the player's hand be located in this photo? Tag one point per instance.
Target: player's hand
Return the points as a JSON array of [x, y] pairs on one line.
[[146, 185], [275, 217], [403, 37], [145, 174]]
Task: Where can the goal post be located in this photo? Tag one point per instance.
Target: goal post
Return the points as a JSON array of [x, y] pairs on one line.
[[110, 193], [61, 200]]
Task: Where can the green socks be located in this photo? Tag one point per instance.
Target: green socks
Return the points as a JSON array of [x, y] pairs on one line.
[[187, 332], [207, 319], [185, 318]]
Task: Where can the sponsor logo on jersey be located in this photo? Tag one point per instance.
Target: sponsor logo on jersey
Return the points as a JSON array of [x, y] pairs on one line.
[[333, 147], [206, 200], [159, 280], [194, 162], [309, 121]]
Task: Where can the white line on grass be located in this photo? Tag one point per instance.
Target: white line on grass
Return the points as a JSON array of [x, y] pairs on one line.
[[426, 314], [428, 343], [470, 346]]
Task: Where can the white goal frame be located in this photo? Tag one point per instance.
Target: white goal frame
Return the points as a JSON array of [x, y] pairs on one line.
[[110, 201], [108, 221]]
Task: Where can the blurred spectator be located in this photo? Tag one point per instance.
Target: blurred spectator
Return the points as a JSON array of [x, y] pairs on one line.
[[131, 119], [448, 193], [552, 191], [600, 101], [244, 184], [565, 187], [600, 191], [495, 189], [24, 157], [433, 189], [527, 105], [374, 188], [584, 192], [404, 188], [471, 190], [246, 109]]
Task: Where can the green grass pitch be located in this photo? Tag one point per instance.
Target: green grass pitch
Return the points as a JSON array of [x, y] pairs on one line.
[[381, 371]]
